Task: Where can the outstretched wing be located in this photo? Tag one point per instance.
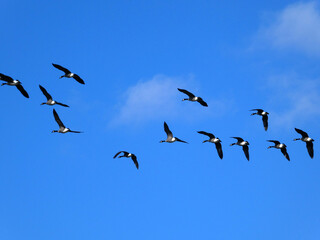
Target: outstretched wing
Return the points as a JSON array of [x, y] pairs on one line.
[[274, 141], [6, 78], [117, 154], [167, 130], [186, 92], [203, 103], [75, 131], [21, 89], [134, 159], [44, 91], [284, 152], [79, 79], [219, 149], [238, 138], [61, 104], [210, 135], [310, 148], [245, 149], [179, 140], [303, 134], [66, 71], [257, 109], [265, 122], [58, 120]]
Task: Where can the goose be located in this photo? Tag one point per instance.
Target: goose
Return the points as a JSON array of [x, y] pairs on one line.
[[305, 138], [216, 141], [281, 146], [68, 74], [193, 98], [264, 115], [11, 82], [128, 155], [62, 128], [170, 138], [244, 145], [49, 98]]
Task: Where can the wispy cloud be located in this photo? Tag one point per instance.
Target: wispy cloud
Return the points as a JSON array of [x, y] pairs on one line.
[[293, 100], [296, 28], [158, 98]]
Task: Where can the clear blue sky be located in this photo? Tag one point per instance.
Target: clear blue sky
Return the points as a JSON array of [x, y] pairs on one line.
[[237, 55]]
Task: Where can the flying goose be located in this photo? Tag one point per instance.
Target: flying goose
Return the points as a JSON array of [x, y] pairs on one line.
[[49, 98], [214, 140], [193, 98], [62, 128], [264, 115], [170, 138], [68, 74], [281, 146], [305, 138], [244, 145], [128, 155], [9, 81]]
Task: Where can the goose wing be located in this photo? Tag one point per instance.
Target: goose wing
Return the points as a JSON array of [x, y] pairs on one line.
[[179, 140], [257, 109], [274, 141], [167, 130], [44, 91], [203, 103], [310, 148], [78, 79], [119, 153], [284, 152], [61, 104], [134, 159], [210, 135], [66, 71], [186, 92], [219, 149], [75, 131], [22, 90], [238, 138], [303, 134], [5, 78], [265, 122], [58, 120], [245, 149]]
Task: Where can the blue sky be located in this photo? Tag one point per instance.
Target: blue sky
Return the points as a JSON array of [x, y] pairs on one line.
[[132, 56]]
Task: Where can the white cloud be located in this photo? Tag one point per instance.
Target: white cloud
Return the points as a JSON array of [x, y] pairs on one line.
[[293, 100], [158, 98], [296, 27]]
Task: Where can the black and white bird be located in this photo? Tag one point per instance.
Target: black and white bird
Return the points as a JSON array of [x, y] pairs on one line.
[[264, 115], [170, 138], [68, 74], [216, 141], [244, 145], [305, 138], [128, 155], [11, 82], [49, 98], [280, 146], [62, 128], [193, 98]]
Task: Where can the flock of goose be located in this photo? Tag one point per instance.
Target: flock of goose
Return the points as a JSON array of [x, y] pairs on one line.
[[170, 138]]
